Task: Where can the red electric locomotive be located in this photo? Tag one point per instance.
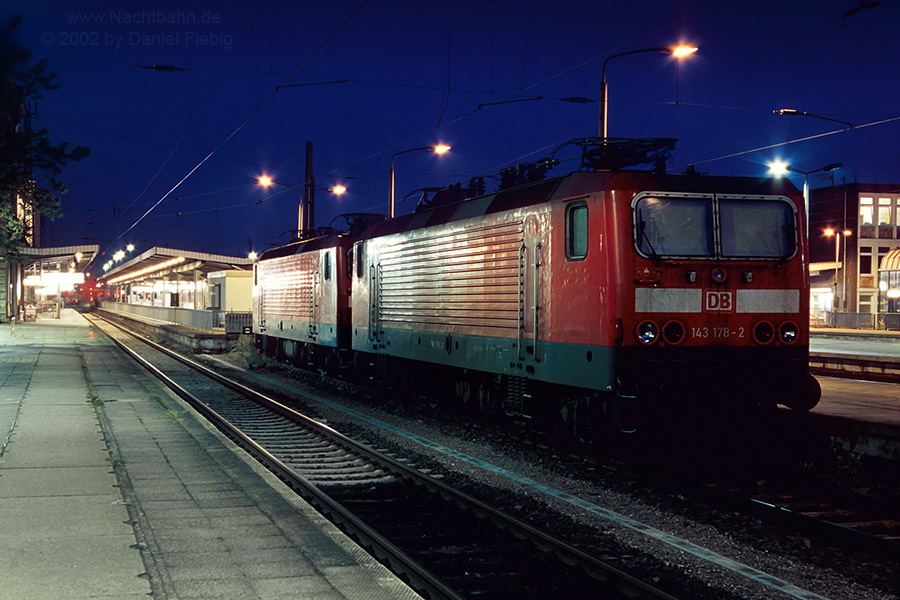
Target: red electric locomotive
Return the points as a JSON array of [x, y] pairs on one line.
[[602, 295], [301, 296], [602, 292]]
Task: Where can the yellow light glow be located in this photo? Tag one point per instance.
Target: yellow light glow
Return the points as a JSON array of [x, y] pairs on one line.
[[130, 247], [48, 280], [252, 256], [338, 190], [680, 50], [828, 232], [265, 181], [78, 256], [441, 149], [893, 293], [145, 271]]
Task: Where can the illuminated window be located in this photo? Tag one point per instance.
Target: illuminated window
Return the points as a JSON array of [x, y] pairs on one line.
[[884, 211], [866, 211], [576, 231]]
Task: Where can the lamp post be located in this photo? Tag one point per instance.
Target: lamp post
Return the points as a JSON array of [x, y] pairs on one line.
[[676, 50], [828, 232], [779, 168], [267, 181], [437, 149]]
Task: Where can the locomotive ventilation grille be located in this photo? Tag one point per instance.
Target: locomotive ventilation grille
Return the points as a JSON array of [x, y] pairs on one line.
[[463, 278]]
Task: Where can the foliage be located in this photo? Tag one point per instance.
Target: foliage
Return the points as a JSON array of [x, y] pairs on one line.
[[30, 165]]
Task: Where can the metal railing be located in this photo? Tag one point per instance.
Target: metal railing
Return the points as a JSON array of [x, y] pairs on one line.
[[186, 317], [848, 320]]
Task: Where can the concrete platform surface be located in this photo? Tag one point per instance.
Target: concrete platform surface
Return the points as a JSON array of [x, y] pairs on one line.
[[110, 487]]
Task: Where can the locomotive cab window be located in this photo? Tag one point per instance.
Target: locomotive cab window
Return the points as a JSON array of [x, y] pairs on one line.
[[360, 261], [756, 228], [667, 225], [576, 231], [327, 268], [674, 226]]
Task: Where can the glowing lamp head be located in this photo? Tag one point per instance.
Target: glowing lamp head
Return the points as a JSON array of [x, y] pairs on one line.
[[829, 231], [779, 168], [265, 181], [646, 332], [679, 50], [441, 149], [338, 190]]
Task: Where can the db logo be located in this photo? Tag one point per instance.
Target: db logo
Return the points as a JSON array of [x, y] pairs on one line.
[[714, 300]]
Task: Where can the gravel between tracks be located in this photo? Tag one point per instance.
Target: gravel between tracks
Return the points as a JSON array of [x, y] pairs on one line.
[[823, 571]]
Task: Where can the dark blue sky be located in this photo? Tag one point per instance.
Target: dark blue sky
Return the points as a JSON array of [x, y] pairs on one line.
[[186, 147]]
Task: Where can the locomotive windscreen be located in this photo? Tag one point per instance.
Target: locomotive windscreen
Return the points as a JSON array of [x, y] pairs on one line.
[[756, 229], [714, 227], [675, 226]]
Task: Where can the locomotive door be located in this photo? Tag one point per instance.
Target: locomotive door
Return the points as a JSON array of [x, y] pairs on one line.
[[376, 333], [530, 258], [314, 291]]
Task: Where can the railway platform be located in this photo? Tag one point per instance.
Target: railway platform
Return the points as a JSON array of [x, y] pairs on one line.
[[110, 487]]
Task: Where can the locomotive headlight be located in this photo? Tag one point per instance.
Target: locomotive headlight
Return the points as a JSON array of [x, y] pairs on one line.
[[763, 333], [647, 332], [673, 332], [788, 332]]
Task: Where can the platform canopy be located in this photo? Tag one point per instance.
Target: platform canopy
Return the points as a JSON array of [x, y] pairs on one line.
[[61, 259], [161, 262]]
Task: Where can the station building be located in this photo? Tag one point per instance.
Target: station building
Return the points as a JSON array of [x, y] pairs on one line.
[[854, 242]]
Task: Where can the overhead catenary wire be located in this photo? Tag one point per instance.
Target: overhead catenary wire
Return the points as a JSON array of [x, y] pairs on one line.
[[236, 130]]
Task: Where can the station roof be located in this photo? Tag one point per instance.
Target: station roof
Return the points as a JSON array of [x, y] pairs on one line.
[[59, 259], [162, 262]]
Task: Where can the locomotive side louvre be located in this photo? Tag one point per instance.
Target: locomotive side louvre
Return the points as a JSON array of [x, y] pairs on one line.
[[464, 293]]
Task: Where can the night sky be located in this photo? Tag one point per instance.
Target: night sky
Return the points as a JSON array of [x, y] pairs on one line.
[[176, 153]]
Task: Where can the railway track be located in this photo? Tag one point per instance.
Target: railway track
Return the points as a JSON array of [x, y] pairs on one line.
[[444, 543]]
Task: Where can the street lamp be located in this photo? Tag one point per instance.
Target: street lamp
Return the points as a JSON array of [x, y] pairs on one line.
[[779, 168], [267, 181], [437, 149], [793, 112], [676, 50]]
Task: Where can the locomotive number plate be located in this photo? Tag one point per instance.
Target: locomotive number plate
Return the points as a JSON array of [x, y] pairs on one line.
[[718, 333]]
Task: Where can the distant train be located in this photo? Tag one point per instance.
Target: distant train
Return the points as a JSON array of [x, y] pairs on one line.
[[604, 294]]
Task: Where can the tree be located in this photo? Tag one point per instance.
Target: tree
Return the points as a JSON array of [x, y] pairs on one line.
[[30, 165]]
